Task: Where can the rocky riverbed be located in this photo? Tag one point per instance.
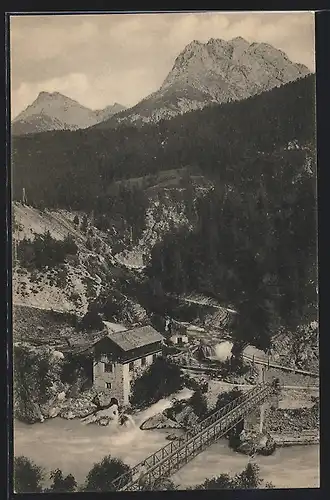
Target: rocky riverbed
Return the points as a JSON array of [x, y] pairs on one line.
[[292, 420]]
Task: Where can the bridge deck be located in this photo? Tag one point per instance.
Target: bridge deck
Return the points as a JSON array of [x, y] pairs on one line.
[[176, 454]]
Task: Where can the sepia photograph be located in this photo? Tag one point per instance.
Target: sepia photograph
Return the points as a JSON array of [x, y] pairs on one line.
[[165, 325]]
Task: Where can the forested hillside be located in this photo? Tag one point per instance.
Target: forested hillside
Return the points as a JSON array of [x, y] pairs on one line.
[[253, 243], [254, 247], [75, 168]]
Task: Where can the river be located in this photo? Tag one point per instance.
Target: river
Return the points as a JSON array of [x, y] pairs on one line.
[[74, 447]]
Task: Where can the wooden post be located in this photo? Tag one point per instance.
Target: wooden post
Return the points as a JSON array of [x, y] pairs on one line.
[[262, 416]]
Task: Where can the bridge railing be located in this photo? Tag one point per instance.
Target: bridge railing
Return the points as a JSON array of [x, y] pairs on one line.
[[173, 446], [195, 441]]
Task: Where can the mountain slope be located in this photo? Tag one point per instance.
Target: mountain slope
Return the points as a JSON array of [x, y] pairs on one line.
[[108, 111], [54, 111], [63, 168], [214, 72]]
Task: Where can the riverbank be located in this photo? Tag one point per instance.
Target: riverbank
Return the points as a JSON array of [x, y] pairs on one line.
[[74, 448]]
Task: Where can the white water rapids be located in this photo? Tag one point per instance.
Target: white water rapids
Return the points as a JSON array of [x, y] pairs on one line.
[[75, 447]]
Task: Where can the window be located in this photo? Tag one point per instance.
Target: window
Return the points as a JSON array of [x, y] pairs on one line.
[[180, 341], [143, 361], [108, 385], [154, 357], [131, 366], [108, 367]]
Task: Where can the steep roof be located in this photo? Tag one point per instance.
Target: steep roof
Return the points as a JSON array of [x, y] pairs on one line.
[[114, 327], [135, 337]]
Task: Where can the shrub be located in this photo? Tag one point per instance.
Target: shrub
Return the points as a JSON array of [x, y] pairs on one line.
[[249, 478], [160, 484], [227, 397], [91, 321], [199, 404], [27, 476], [160, 380], [194, 384], [84, 224], [77, 367], [102, 474], [60, 483], [176, 408]]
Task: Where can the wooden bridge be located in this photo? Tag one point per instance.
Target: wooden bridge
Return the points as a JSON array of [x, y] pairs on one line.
[[173, 456]]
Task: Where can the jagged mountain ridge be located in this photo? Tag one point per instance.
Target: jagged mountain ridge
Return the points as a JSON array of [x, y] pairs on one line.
[[214, 72], [55, 111]]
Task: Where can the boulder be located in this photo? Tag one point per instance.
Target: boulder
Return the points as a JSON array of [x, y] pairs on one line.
[[57, 355], [107, 415], [68, 415], [61, 396], [54, 412], [159, 421], [255, 443]]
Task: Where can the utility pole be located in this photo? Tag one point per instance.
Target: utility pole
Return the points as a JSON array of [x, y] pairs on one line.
[[262, 407]]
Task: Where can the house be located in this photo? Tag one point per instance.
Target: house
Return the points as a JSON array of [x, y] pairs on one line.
[[179, 339], [120, 356]]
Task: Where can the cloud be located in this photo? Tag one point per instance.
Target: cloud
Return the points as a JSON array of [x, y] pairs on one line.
[[99, 59]]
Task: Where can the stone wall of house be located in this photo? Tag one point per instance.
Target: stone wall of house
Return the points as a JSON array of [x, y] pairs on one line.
[[137, 371], [121, 376], [101, 378]]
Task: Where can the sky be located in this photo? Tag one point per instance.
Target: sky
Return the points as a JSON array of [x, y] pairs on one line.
[[105, 58]]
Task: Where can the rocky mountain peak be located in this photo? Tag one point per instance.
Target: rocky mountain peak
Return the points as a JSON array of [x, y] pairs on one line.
[[55, 111], [220, 59], [216, 71], [42, 96], [239, 40]]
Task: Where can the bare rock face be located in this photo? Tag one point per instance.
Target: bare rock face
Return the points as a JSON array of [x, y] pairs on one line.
[[55, 111], [218, 71]]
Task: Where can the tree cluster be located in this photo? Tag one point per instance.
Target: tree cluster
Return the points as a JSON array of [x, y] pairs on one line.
[[160, 380], [249, 478], [254, 247], [75, 168], [29, 478], [45, 251]]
